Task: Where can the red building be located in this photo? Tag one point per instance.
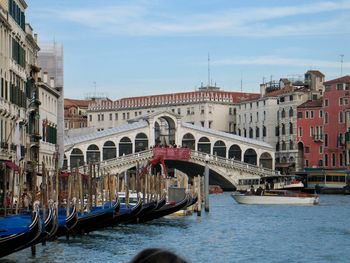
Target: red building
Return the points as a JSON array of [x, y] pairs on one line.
[[335, 102], [310, 133]]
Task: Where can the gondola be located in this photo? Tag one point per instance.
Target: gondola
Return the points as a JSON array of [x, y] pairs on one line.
[[192, 201], [127, 213], [17, 231], [167, 209], [107, 220], [95, 219], [145, 210], [66, 223]]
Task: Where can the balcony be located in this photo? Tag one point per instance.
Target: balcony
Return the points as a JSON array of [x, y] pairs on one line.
[[318, 137]]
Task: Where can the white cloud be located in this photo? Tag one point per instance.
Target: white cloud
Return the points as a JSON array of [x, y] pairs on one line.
[[281, 61], [142, 19]]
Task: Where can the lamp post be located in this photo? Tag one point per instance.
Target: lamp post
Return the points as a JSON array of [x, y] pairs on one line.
[[206, 184]]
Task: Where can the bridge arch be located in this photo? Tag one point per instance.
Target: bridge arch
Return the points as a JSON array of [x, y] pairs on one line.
[[93, 153], [109, 150], [265, 160], [250, 156], [204, 145], [76, 158], [189, 141], [219, 149], [235, 152], [125, 146], [164, 129], [141, 142]]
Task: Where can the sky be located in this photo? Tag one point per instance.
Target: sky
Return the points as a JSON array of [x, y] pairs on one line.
[[126, 48]]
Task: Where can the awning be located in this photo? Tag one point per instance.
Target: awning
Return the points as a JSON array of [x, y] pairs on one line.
[[12, 165]]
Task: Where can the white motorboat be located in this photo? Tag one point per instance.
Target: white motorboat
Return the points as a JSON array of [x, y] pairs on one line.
[[276, 197]]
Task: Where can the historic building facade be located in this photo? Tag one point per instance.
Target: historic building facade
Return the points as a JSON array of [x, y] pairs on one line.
[[336, 102], [310, 135], [207, 107], [75, 115]]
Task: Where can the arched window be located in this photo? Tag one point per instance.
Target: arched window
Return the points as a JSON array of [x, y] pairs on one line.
[[188, 141], [257, 132], [250, 132], [290, 128], [284, 146], [93, 154], [204, 145], [283, 129], [235, 152], [283, 113], [291, 112], [109, 150], [76, 158], [141, 142], [291, 145], [125, 146], [219, 149]]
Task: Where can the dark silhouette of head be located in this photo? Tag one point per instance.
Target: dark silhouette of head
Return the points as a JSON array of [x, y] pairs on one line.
[[157, 255]]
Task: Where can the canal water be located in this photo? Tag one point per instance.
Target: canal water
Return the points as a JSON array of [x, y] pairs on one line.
[[229, 233]]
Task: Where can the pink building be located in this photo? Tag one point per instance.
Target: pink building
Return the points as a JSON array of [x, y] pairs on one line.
[[336, 101], [310, 133]]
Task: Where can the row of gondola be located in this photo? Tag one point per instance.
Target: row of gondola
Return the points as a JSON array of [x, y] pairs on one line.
[[27, 229]]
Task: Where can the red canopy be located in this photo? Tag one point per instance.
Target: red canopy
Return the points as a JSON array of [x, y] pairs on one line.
[[12, 165]]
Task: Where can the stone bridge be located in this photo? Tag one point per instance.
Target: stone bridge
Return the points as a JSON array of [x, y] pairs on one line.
[[227, 173]]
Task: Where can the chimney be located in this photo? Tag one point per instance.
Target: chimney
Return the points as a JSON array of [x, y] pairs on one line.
[[45, 77], [52, 82], [36, 38], [262, 90]]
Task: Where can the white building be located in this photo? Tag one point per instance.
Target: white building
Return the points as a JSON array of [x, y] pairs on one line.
[[206, 107], [48, 111]]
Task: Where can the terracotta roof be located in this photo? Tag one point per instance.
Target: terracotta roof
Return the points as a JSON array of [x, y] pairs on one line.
[[345, 79], [79, 103], [175, 98], [316, 72], [312, 104], [279, 91]]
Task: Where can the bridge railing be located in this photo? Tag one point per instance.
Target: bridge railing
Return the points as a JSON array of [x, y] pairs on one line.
[[217, 160]]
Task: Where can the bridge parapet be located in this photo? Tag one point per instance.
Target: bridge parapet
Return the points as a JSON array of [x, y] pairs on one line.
[[232, 164]]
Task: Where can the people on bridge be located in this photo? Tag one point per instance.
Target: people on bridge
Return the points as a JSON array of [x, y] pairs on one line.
[[259, 191]]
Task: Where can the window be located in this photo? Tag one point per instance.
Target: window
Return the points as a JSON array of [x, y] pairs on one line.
[[340, 159], [321, 113], [326, 160], [135, 113], [341, 117], [291, 112], [311, 114], [340, 101], [110, 116], [250, 132], [257, 132], [102, 117], [300, 114], [326, 140], [229, 111], [347, 86], [264, 131], [123, 115], [116, 116], [210, 123], [282, 99], [284, 146], [307, 163], [179, 111], [251, 117], [192, 110], [307, 149], [264, 115], [210, 109], [300, 132], [188, 111], [277, 131], [202, 109], [311, 131], [340, 86], [290, 97], [283, 114], [283, 129], [127, 115], [291, 145], [326, 103], [326, 118], [202, 123], [257, 116], [333, 159], [320, 163], [306, 114], [98, 117], [90, 117], [290, 128]]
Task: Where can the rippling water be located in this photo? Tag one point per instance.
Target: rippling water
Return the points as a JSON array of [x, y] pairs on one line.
[[229, 233]]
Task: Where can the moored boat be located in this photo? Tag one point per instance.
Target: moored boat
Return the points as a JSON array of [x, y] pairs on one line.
[[276, 197], [16, 232]]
